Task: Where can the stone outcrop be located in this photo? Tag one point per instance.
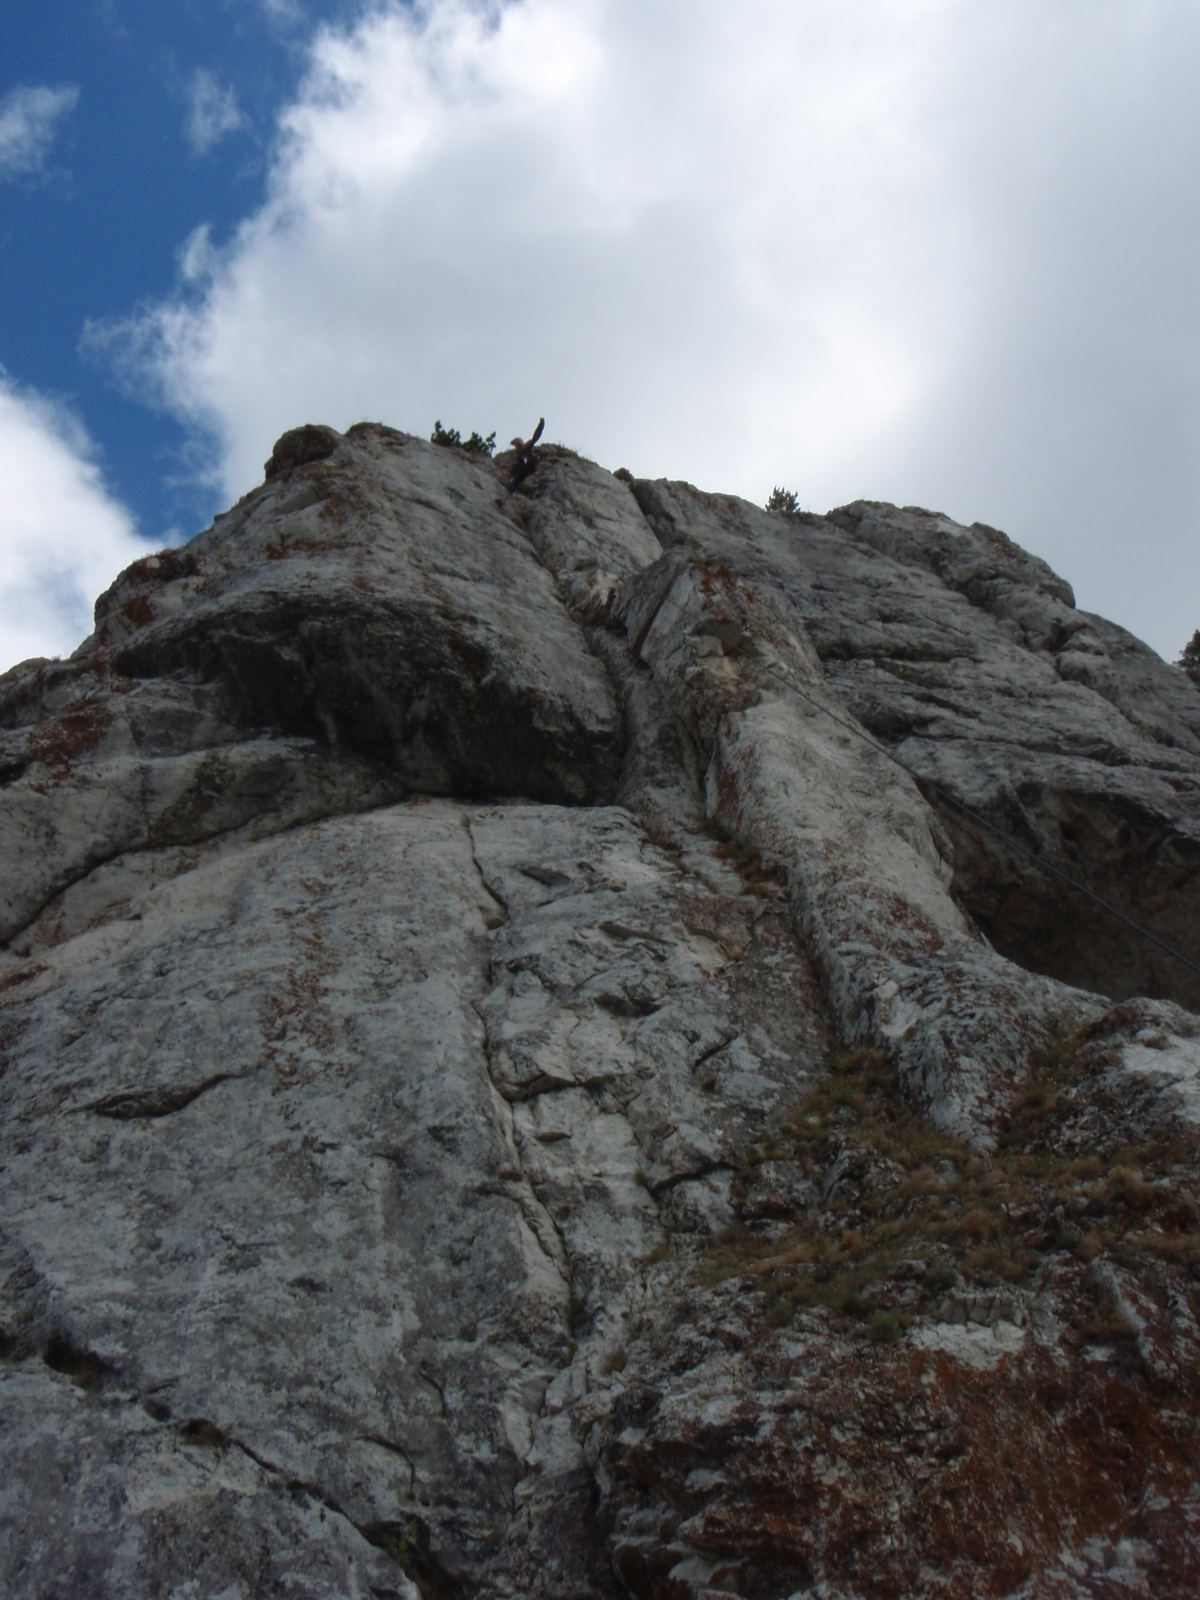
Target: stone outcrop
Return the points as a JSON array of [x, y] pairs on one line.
[[519, 1076]]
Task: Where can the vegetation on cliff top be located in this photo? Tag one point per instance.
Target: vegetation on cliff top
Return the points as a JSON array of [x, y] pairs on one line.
[[452, 439]]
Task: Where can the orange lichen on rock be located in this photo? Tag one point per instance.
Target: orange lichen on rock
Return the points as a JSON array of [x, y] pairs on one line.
[[60, 739], [865, 1468]]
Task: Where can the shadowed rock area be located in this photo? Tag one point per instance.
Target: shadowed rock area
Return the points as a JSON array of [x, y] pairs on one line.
[[519, 1077]]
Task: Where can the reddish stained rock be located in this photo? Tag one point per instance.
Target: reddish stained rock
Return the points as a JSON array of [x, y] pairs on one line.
[[865, 1467]]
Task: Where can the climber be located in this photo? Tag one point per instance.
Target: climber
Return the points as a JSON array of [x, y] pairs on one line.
[[526, 461]]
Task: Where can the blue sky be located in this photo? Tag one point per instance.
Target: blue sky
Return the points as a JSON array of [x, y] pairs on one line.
[[97, 227], [928, 251]]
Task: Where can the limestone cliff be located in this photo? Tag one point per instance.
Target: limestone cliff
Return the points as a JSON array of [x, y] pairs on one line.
[[518, 1079]]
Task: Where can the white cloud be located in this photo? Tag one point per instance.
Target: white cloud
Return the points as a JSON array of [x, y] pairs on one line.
[[285, 11], [63, 538], [197, 257], [29, 119], [213, 112], [908, 249]]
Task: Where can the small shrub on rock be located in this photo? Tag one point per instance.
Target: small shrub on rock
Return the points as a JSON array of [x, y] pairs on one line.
[[884, 1327], [784, 500], [1189, 658], [451, 437]]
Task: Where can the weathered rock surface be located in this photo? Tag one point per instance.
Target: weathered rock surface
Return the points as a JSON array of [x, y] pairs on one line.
[[509, 1087]]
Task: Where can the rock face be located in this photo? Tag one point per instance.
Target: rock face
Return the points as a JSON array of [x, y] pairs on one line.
[[519, 1078]]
